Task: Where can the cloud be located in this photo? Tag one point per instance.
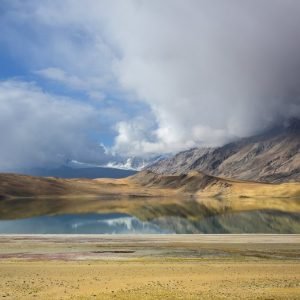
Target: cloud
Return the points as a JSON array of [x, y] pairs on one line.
[[91, 85], [131, 137], [38, 129], [208, 71], [69, 50], [60, 75]]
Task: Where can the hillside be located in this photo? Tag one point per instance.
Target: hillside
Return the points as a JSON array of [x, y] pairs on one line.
[[144, 184], [15, 185], [270, 157], [201, 185]]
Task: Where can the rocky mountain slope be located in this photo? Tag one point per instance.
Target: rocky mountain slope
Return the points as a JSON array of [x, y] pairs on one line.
[[270, 157]]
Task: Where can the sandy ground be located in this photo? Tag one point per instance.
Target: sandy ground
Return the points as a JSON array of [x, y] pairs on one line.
[[150, 267]]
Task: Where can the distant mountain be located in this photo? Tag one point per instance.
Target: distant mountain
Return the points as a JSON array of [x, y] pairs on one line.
[[81, 172], [120, 168], [270, 157]]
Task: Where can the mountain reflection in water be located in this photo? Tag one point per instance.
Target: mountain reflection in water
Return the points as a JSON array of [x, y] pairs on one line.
[[245, 222], [80, 224]]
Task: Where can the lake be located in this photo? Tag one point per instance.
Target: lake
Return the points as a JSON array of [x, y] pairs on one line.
[[120, 223]]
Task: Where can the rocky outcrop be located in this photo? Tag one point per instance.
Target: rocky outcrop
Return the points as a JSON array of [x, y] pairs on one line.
[[270, 157]]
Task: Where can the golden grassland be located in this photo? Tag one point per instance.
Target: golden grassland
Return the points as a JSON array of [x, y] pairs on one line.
[[150, 267], [145, 184], [244, 189]]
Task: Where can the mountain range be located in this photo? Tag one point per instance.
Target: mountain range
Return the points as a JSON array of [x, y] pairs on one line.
[[119, 168], [273, 156]]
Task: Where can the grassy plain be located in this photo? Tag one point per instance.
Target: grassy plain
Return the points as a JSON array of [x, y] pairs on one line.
[[150, 267]]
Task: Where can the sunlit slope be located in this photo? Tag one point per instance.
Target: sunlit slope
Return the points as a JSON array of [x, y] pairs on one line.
[[201, 185], [144, 184], [15, 185]]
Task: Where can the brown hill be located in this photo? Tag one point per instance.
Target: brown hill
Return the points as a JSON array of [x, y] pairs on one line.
[[191, 182], [144, 184], [201, 185]]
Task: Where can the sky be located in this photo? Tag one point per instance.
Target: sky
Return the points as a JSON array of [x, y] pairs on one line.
[[96, 80]]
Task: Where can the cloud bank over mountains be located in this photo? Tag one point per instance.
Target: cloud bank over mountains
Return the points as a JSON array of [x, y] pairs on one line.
[[211, 71], [174, 74]]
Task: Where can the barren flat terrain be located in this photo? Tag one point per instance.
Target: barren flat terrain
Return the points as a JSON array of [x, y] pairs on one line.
[[150, 267]]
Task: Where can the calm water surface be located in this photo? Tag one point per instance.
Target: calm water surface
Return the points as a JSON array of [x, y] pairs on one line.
[[80, 224], [116, 223]]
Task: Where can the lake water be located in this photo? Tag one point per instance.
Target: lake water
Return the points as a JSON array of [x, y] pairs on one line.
[[80, 224], [117, 223]]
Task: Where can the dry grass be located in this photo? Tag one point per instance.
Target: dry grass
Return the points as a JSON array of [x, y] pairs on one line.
[[242, 189], [161, 267], [149, 280], [144, 184]]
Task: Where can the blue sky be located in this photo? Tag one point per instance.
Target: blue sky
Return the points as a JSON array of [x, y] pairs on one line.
[[24, 37], [66, 63], [96, 80]]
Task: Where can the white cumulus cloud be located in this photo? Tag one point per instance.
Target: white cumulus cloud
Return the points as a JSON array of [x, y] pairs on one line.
[[38, 129]]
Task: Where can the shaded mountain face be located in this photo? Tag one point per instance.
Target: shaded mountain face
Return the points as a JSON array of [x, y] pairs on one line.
[[270, 157]]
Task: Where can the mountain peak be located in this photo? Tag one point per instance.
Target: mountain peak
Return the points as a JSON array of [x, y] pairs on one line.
[[270, 157]]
